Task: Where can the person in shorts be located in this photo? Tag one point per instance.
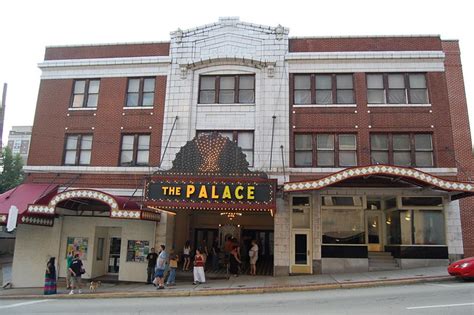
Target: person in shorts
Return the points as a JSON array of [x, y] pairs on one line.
[[76, 270], [160, 268]]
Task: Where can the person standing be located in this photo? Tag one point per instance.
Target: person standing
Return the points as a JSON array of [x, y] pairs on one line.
[[150, 270], [198, 270], [76, 270], [234, 262], [69, 258], [50, 286], [187, 256], [253, 257], [173, 266], [215, 251], [160, 268]]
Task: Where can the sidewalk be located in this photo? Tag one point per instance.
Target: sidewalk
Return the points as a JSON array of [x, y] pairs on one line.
[[244, 285]]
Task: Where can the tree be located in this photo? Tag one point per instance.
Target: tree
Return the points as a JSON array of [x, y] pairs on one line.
[[12, 174]]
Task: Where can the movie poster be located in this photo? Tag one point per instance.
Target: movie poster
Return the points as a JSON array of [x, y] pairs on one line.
[[78, 245], [137, 250]]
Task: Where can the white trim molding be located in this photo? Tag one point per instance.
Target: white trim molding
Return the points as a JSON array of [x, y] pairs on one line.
[[90, 169]]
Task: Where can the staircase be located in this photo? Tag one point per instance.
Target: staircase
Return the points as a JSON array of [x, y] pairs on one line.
[[379, 261]]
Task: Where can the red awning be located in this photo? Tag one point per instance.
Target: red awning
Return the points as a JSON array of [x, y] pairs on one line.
[[23, 195]]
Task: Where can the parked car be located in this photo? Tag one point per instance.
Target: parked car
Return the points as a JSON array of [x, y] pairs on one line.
[[463, 268]]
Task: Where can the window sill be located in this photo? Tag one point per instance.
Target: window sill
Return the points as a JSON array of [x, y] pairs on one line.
[[138, 107], [226, 104], [398, 105], [324, 105], [82, 108]]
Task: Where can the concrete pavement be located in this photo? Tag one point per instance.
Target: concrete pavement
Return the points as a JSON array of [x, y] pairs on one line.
[[243, 285]]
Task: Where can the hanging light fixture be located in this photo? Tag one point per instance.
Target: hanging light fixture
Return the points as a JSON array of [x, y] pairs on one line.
[[231, 215]]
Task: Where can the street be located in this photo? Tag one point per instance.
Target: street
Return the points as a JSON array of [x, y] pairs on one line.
[[447, 297]]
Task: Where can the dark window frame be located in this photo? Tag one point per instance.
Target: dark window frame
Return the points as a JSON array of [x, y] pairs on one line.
[[407, 88], [134, 150], [235, 138], [412, 150], [78, 148], [314, 88], [336, 151], [236, 88], [85, 100], [140, 92]]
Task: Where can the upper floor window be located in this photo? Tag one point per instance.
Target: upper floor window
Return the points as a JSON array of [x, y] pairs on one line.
[[135, 149], [402, 149], [244, 139], [227, 89], [325, 150], [78, 149], [85, 93], [140, 92], [323, 89], [397, 88]]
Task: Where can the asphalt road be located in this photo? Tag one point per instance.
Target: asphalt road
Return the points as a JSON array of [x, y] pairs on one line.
[[447, 297]]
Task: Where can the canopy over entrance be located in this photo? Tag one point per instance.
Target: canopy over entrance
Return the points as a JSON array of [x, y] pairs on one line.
[[364, 177], [211, 173]]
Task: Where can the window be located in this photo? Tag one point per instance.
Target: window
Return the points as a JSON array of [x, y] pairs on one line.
[[397, 88], [301, 213], [323, 89], [135, 150], [227, 89], [343, 226], [415, 227], [140, 92], [78, 149], [85, 93], [402, 149], [330, 150], [244, 139]]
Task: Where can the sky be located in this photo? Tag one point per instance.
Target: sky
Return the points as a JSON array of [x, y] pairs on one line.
[[27, 27]]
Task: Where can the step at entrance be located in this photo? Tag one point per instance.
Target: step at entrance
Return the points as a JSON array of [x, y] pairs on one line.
[[379, 261]]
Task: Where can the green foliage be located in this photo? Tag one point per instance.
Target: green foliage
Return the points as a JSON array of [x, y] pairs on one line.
[[12, 174]]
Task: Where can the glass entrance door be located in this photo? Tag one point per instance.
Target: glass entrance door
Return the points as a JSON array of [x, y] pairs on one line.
[[374, 231], [301, 260], [114, 255]]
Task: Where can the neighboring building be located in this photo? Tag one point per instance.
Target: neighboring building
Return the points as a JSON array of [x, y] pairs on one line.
[[3, 104], [19, 140], [358, 147]]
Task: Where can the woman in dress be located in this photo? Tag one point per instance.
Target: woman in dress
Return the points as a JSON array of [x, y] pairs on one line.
[[198, 271], [234, 261], [253, 255], [50, 278], [187, 256]]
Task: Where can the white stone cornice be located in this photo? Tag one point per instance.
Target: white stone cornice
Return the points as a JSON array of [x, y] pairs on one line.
[[104, 61], [435, 54], [89, 169]]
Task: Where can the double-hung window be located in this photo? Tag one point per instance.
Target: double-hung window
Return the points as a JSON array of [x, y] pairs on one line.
[[227, 89], [325, 150], [323, 89], [397, 88], [140, 92], [78, 149], [135, 149], [85, 93], [244, 139], [402, 149]]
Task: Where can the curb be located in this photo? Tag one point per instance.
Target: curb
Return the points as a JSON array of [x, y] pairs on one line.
[[234, 291]]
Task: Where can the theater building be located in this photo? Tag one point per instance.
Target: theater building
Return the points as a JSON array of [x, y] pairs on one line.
[[337, 154]]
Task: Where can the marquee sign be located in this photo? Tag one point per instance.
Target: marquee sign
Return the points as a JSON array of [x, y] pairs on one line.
[[225, 193], [210, 173]]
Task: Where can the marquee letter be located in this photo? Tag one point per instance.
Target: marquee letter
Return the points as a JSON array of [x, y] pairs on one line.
[[226, 194], [238, 192], [190, 189], [213, 192], [203, 192], [251, 192]]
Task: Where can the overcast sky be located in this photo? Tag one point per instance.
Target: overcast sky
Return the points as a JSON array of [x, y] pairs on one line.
[[28, 26]]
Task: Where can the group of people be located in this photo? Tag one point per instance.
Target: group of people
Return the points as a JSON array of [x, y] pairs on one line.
[[74, 272], [159, 263]]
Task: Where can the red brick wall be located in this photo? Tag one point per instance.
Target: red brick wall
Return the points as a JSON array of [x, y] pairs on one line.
[[131, 181], [384, 120], [107, 51], [462, 136], [364, 44], [52, 117]]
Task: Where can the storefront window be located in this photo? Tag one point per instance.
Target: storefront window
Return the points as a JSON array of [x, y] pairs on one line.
[[343, 226], [429, 227], [418, 227]]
